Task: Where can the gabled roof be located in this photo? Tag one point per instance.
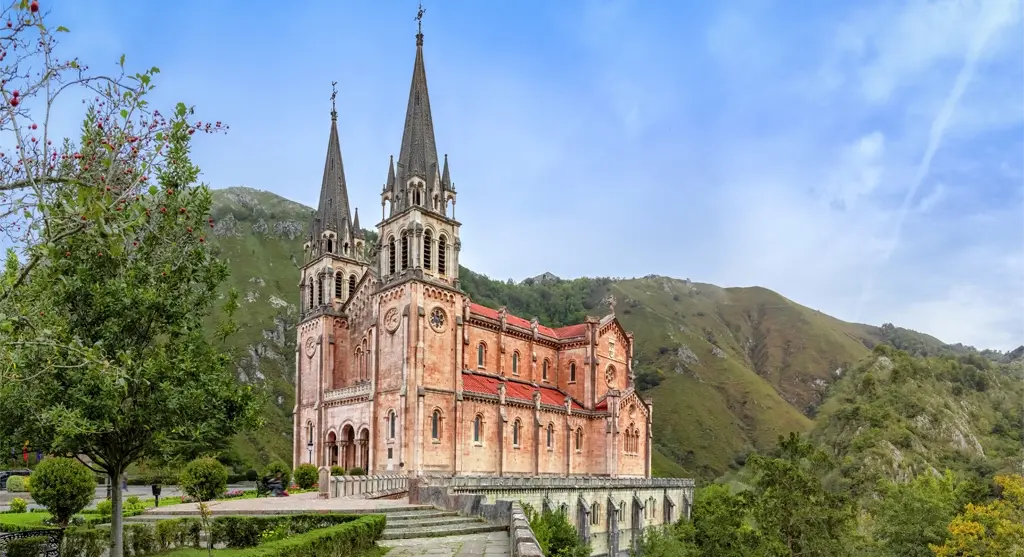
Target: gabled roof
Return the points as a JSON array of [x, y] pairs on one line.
[[517, 390], [570, 331]]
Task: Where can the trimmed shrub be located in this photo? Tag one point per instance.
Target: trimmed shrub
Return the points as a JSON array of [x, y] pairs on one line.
[[18, 505], [105, 508], [18, 484], [252, 475], [306, 476], [141, 538], [337, 471], [85, 542], [180, 532], [26, 547], [277, 466], [357, 471], [249, 531], [64, 486], [204, 478]]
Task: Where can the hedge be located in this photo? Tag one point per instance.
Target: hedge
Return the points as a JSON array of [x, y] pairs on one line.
[[343, 540], [327, 535], [26, 547]]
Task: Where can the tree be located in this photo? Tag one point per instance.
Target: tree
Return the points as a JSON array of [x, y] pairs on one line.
[[911, 516], [556, 536], [987, 530], [113, 362], [64, 486], [793, 512]]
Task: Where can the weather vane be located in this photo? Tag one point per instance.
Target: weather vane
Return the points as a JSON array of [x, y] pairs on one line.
[[419, 19], [334, 95]]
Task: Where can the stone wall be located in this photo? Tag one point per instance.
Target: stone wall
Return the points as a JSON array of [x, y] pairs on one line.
[[610, 513], [521, 540]]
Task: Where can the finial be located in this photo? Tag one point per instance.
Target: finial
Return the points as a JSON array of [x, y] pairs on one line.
[[334, 95], [419, 25]]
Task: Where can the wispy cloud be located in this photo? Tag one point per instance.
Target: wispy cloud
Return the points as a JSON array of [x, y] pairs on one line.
[[812, 148]]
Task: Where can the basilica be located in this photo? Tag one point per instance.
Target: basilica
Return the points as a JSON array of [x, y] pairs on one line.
[[398, 371]]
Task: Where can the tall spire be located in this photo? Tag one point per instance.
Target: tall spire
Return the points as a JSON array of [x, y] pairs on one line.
[[418, 155], [333, 211]]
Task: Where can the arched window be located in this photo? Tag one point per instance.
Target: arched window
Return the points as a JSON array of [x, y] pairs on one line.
[[405, 250], [339, 284], [481, 351], [442, 249], [544, 370], [436, 203], [515, 433], [636, 441], [435, 425], [622, 511], [330, 245], [478, 426], [391, 255], [320, 290], [595, 514], [392, 419], [551, 434], [579, 439], [416, 196], [311, 294], [428, 246], [351, 285], [344, 248], [572, 372], [515, 363]]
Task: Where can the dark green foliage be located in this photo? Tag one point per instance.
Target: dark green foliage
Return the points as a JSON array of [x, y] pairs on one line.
[[909, 516], [556, 536], [306, 475], [180, 532], [140, 539], [84, 542], [248, 531], [17, 484], [337, 471], [553, 302], [26, 547], [350, 539], [64, 486], [357, 471], [252, 475], [204, 479], [278, 466]]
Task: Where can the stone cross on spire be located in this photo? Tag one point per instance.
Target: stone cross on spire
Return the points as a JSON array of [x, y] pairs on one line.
[[334, 95]]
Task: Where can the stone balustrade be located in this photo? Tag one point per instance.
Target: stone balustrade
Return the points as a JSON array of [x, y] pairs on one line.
[[362, 389], [368, 486], [522, 540], [478, 483]]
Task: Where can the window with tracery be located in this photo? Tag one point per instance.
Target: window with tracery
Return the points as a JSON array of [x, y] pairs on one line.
[[405, 250], [391, 255], [339, 284], [442, 249], [351, 285], [428, 247], [435, 425]]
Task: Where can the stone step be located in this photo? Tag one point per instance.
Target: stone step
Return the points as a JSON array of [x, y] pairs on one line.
[[453, 521], [398, 517], [439, 532]]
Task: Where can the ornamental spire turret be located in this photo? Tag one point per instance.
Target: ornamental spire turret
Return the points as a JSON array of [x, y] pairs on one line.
[[333, 213]]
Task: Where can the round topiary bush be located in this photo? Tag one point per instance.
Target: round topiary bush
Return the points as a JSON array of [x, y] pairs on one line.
[[204, 479], [18, 505], [252, 475], [277, 466], [357, 471], [337, 471], [306, 475], [17, 484], [64, 486]]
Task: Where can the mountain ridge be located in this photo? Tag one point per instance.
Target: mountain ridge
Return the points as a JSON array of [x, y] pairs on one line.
[[729, 369]]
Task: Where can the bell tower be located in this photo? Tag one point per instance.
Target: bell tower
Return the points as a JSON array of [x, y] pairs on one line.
[[334, 262], [419, 236]]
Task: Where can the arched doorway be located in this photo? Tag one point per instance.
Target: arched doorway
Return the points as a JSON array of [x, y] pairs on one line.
[[364, 449], [348, 452], [332, 449]]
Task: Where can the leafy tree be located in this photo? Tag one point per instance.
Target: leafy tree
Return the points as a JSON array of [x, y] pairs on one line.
[[793, 512], [718, 525], [911, 516], [555, 534], [987, 530], [108, 357], [204, 479], [64, 486]]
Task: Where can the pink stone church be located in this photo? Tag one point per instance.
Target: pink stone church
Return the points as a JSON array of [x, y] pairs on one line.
[[397, 371]]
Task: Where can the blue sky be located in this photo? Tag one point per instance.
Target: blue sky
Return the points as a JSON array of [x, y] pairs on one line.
[[862, 158]]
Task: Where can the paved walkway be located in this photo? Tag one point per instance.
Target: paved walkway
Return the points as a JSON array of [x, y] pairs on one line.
[[492, 544]]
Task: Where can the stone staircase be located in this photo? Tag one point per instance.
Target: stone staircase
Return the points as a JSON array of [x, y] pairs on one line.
[[403, 522]]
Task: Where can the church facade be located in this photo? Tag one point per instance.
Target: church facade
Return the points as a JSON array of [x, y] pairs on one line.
[[398, 371]]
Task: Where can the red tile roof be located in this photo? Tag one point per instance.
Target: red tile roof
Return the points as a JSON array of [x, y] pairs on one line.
[[603, 405], [483, 384], [561, 332]]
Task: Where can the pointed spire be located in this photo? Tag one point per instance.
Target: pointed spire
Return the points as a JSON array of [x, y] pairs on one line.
[[333, 210], [446, 179], [357, 231], [391, 172], [418, 155]]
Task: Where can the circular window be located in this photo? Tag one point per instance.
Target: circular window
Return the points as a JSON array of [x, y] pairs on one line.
[[438, 319]]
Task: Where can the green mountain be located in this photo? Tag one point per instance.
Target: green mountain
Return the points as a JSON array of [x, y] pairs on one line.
[[730, 369]]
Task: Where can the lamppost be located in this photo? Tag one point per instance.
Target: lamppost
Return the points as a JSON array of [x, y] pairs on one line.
[[309, 446]]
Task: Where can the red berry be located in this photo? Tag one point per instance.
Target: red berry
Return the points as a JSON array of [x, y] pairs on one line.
[[182, 210], [14, 101], [15, 93], [190, 230], [83, 217], [67, 254], [34, 6], [34, 126], [41, 313], [163, 209], [201, 240], [9, 24], [135, 243]]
